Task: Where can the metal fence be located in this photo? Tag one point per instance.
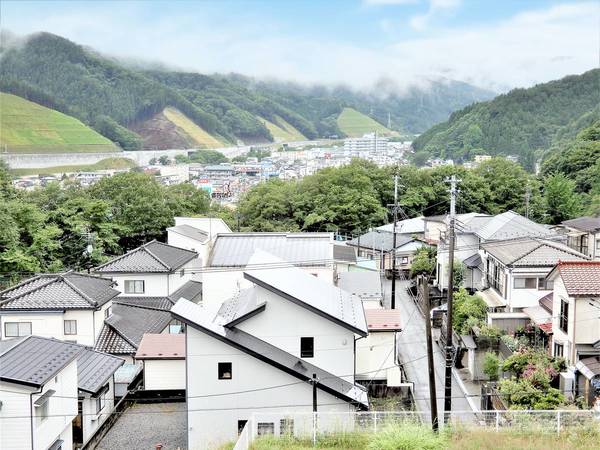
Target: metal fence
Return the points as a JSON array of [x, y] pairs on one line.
[[314, 426]]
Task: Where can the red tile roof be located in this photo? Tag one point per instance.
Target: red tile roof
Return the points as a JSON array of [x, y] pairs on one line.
[[581, 278], [383, 319], [546, 327], [161, 346]]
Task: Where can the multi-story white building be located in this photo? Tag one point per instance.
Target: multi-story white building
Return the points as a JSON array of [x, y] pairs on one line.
[[67, 306], [370, 143]]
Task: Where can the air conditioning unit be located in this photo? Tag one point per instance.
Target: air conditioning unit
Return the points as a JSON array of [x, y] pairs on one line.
[[567, 384]]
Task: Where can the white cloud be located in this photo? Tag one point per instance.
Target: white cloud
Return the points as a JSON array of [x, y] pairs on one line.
[[436, 7], [531, 47]]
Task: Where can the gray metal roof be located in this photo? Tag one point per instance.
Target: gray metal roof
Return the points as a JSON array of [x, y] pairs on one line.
[[58, 292], [414, 225], [318, 296], [307, 249], [35, 360], [195, 316], [365, 283], [473, 261], [381, 240], [190, 231], [191, 290], [149, 258], [344, 253], [510, 225], [94, 369], [532, 252], [241, 306], [589, 224]]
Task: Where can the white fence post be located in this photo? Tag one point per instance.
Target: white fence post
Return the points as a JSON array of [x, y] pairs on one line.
[[558, 422], [497, 421], [314, 427], [375, 422]]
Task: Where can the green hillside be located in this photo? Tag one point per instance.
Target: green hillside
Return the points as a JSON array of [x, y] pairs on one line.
[[523, 122], [103, 164], [26, 127], [114, 98], [355, 124], [282, 131]]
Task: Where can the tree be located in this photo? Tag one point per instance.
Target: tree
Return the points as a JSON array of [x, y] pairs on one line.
[[467, 307], [164, 160], [562, 202], [423, 262], [491, 366]]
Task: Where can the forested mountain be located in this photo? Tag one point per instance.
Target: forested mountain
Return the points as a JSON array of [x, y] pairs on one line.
[[118, 99], [523, 122]]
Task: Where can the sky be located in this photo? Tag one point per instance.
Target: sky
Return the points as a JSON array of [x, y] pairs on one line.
[[495, 44]]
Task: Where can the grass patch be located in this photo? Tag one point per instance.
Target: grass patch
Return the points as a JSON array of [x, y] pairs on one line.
[[283, 131], [199, 135], [419, 437], [26, 127], [354, 124], [104, 164]]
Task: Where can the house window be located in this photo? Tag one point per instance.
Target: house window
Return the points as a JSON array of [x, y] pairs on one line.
[[16, 329], [545, 285], [263, 428], [558, 350], [99, 403], [225, 371], [107, 312], [564, 316], [42, 411], [286, 426], [70, 326], [241, 425], [307, 347], [175, 327], [404, 260], [181, 273], [134, 286], [525, 283]]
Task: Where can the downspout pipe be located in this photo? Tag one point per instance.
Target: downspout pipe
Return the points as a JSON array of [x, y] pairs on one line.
[[39, 391]]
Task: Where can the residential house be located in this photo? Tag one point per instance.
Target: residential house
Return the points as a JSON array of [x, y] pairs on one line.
[[344, 258], [576, 324], [515, 271], [163, 360], [376, 355], [365, 284], [153, 269], [231, 373], [229, 257], [414, 226], [67, 306], [583, 235], [197, 234], [96, 385], [379, 245], [38, 391]]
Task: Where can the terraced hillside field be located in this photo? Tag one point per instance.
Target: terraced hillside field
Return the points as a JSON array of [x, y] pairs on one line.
[[283, 131], [103, 164], [200, 136], [354, 124], [26, 127]]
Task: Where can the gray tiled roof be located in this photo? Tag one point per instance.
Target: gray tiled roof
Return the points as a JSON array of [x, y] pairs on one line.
[[195, 316], [190, 231], [532, 252], [162, 303], [381, 240], [94, 369], [57, 292], [510, 225], [191, 290], [241, 306], [318, 296], [127, 325], [35, 360], [309, 249], [149, 258], [344, 253], [589, 224], [473, 261]]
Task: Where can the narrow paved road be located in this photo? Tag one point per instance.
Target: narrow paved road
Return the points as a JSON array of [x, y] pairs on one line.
[[412, 352]]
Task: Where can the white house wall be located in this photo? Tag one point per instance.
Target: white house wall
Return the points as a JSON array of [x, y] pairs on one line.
[[92, 421], [164, 374], [213, 418], [51, 324], [15, 433], [376, 358], [282, 324], [179, 240]]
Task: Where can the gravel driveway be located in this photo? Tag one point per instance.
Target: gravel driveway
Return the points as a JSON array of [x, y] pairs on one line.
[[144, 425]]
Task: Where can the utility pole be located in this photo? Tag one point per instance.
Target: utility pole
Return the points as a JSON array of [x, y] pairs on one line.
[[432, 391], [394, 242], [389, 121], [449, 348], [314, 383], [527, 198]]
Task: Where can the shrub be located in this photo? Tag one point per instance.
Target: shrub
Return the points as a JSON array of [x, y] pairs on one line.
[[465, 307], [491, 365]]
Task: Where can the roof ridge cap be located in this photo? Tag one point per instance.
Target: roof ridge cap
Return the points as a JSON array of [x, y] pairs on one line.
[[49, 282], [160, 261], [528, 252], [79, 291]]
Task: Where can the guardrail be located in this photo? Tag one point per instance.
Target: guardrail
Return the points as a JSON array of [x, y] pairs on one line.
[[307, 425]]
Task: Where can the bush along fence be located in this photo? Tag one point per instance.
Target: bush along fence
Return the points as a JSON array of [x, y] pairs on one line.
[[315, 426]]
